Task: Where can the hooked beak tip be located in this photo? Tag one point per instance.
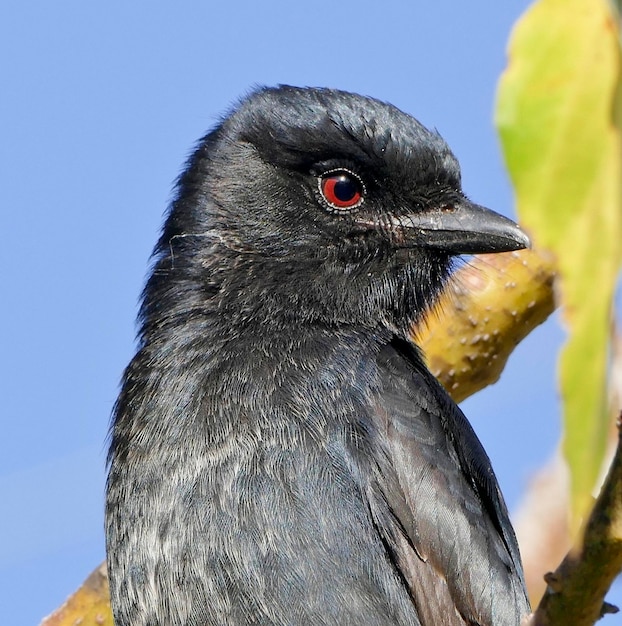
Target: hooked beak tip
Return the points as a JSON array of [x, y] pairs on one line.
[[467, 229]]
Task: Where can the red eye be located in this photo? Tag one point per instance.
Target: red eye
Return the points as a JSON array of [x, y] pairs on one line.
[[341, 189]]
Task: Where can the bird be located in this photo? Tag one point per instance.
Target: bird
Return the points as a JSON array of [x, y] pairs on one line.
[[279, 452]]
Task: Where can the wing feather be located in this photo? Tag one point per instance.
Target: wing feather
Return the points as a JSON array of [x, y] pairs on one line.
[[438, 502]]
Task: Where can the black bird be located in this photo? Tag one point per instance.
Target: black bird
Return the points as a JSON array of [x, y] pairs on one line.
[[280, 454]]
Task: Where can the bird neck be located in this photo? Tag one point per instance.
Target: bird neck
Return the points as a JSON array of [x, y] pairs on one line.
[[233, 292], [194, 388]]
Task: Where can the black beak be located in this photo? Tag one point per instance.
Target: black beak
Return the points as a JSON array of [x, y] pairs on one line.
[[462, 228]]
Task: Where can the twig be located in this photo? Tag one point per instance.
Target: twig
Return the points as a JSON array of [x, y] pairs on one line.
[[576, 590]]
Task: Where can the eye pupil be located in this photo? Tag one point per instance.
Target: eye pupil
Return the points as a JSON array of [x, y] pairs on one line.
[[345, 189], [341, 190]]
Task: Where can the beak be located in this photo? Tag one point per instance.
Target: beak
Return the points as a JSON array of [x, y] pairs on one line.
[[463, 228]]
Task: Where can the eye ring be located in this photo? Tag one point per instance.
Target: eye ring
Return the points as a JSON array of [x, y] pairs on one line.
[[341, 189]]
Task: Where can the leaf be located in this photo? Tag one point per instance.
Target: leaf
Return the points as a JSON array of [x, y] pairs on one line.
[[558, 114]]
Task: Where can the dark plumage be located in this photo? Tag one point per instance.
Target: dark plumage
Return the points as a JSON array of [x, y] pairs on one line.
[[280, 454]]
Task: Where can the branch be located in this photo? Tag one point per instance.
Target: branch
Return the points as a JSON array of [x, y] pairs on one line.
[[88, 606], [578, 587], [492, 304], [542, 523]]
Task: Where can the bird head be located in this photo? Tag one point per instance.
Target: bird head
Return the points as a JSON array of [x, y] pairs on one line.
[[324, 205]]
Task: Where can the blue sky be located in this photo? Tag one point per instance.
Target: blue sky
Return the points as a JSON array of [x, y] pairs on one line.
[[101, 104]]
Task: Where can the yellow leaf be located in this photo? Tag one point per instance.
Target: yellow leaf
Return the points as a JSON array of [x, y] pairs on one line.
[[558, 114]]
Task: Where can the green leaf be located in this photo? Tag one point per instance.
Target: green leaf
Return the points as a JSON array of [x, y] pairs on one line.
[[558, 114]]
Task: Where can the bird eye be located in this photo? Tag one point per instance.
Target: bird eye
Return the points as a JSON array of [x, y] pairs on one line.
[[341, 189]]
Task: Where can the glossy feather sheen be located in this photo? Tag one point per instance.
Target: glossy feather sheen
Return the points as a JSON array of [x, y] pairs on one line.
[[280, 454]]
